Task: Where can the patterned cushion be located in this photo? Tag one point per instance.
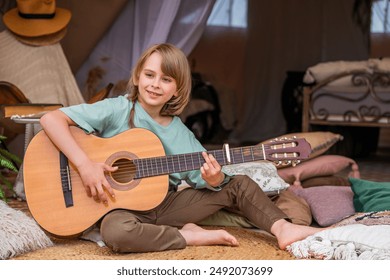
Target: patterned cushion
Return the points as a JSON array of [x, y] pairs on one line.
[[263, 173]]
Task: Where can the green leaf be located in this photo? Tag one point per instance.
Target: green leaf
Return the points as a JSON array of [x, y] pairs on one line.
[[4, 182], [10, 156], [4, 162], [2, 195]]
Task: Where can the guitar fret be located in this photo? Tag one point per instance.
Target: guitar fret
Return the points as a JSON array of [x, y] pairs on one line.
[[220, 157], [224, 157], [146, 168], [192, 161], [142, 168], [172, 165], [233, 156], [158, 166], [161, 165], [146, 164], [167, 164], [179, 162], [185, 162], [150, 167], [155, 163], [154, 166]]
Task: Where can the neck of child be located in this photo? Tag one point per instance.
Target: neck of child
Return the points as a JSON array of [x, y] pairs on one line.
[[154, 113]]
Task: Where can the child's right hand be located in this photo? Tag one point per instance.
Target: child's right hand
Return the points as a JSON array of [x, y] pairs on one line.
[[94, 180]]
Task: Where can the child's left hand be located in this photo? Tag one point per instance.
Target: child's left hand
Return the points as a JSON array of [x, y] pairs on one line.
[[211, 170]]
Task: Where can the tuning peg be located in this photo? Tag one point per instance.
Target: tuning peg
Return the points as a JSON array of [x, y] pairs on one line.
[[295, 162]]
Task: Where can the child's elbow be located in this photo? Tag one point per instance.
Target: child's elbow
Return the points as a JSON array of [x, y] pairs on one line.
[[43, 119], [47, 118]]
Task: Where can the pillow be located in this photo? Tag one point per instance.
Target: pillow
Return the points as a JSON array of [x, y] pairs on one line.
[[328, 204], [370, 196], [381, 64], [331, 180], [321, 166], [350, 242], [262, 172], [324, 70], [320, 141], [19, 233]]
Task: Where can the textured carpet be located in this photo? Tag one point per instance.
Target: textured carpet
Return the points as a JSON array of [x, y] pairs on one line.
[[253, 246]]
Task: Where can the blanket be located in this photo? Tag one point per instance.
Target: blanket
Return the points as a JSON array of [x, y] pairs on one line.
[[19, 233], [364, 236]]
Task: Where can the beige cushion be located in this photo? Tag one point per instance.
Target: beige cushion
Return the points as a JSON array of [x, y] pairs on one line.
[[324, 70]]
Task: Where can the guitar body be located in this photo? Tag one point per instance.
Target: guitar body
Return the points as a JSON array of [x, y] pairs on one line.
[[43, 185]]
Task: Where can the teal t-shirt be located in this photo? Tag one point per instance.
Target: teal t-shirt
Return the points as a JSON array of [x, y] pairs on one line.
[[110, 117]]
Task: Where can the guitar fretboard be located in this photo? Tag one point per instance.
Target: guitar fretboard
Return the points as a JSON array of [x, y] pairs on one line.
[[155, 166]]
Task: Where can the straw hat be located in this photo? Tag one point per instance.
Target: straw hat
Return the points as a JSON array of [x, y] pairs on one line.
[[37, 22]]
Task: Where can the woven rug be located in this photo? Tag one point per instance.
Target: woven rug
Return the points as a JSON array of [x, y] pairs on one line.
[[254, 245]]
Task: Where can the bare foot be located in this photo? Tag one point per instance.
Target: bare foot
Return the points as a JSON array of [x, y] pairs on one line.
[[197, 236], [288, 233]]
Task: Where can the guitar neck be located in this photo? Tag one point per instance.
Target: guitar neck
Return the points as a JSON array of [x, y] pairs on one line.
[[155, 166]]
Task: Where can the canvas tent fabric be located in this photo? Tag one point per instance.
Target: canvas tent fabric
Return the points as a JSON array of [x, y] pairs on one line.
[[41, 73]]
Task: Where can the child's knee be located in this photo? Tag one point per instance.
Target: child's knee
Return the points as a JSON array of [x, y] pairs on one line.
[[245, 182], [119, 236], [295, 207]]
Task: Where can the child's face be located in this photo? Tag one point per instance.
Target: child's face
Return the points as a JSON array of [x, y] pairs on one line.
[[155, 88]]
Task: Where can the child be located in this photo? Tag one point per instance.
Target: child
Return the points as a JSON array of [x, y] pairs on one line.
[[160, 87]]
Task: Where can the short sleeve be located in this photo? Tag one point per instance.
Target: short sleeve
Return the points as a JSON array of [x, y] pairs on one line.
[[107, 117]]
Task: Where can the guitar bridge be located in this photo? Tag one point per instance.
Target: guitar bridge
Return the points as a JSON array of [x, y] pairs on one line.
[[66, 182]]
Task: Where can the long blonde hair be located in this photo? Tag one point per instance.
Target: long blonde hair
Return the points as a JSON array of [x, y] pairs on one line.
[[174, 64]]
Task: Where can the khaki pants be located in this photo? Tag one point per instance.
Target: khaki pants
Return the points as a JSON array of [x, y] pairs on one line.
[[157, 229], [295, 207]]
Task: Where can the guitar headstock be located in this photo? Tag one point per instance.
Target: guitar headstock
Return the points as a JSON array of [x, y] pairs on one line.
[[286, 151]]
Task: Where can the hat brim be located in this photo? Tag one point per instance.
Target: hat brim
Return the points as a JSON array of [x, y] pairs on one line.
[[36, 27], [44, 40]]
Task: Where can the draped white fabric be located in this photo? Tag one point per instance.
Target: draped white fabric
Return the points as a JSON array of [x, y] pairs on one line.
[[141, 24]]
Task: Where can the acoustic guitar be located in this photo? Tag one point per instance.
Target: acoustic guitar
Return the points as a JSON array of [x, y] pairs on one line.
[[58, 201]]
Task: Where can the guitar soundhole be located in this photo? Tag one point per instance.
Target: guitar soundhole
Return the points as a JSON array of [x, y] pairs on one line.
[[124, 178], [126, 171]]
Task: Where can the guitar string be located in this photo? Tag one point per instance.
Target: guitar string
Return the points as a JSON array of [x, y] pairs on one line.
[[130, 167], [155, 164]]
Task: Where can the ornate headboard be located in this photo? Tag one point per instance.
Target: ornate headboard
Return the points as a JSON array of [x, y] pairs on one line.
[[351, 98]]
